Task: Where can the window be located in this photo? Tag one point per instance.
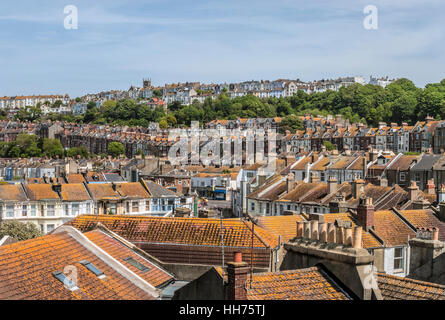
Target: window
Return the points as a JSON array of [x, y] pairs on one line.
[[50, 210], [417, 177], [93, 269], [111, 208], [75, 209], [49, 228], [33, 210], [398, 258], [10, 211], [137, 264], [252, 206], [402, 176], [24, 210], [88, 208], [147, 205], [135, 206], [67, 282], [66, 210]]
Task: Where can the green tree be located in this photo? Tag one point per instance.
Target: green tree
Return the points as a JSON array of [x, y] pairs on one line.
[[163, 124], [81, 151], [291, 123], [27, 146], [52, 148], [115, 149], [19, 230], [329, 146]]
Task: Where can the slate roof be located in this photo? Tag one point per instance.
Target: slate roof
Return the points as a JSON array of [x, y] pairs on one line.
[[158, 191], [426, 162]]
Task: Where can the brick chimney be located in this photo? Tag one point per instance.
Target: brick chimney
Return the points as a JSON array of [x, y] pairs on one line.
[[332, 185], [413, 191], [365, 213], [430, 187], [237, 278]]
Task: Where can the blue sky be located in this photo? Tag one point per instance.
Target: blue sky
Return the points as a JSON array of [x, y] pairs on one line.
[[119, 42]]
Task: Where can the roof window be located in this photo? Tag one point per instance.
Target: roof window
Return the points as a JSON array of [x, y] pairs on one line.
[[137, 264], [93, 269], [67, 282]]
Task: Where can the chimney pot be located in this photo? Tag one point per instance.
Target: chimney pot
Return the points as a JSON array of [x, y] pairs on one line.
[[348, 236], [357, 243], [307, 230], [314, 230], [339, 233], [324, 232], [238, 257], [331, 233], [436, 234], [300, 229]]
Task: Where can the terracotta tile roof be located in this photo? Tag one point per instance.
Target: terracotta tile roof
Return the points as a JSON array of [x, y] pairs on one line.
[[12, 192], [342, 163], [302, 284], [321, 164], [75, 178], [191, 231], [403, 163], [103, 191], [133, 190], [301, 165], [357, 165], [75, 192], [26, 269], [41, 192], [391, 229], [299, 191], [284, 226], [274, 193], [155, 276], [398, 288], [424, 219]]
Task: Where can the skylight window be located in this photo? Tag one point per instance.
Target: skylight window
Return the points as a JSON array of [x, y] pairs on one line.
[[93, 269], [137, 264], [67, 282]]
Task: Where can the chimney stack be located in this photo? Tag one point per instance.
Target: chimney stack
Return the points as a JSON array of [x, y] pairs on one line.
[[357, 188], [332, 185], [290, 182], [365, 213], [413, 190], [237, 278], [430, 187]]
